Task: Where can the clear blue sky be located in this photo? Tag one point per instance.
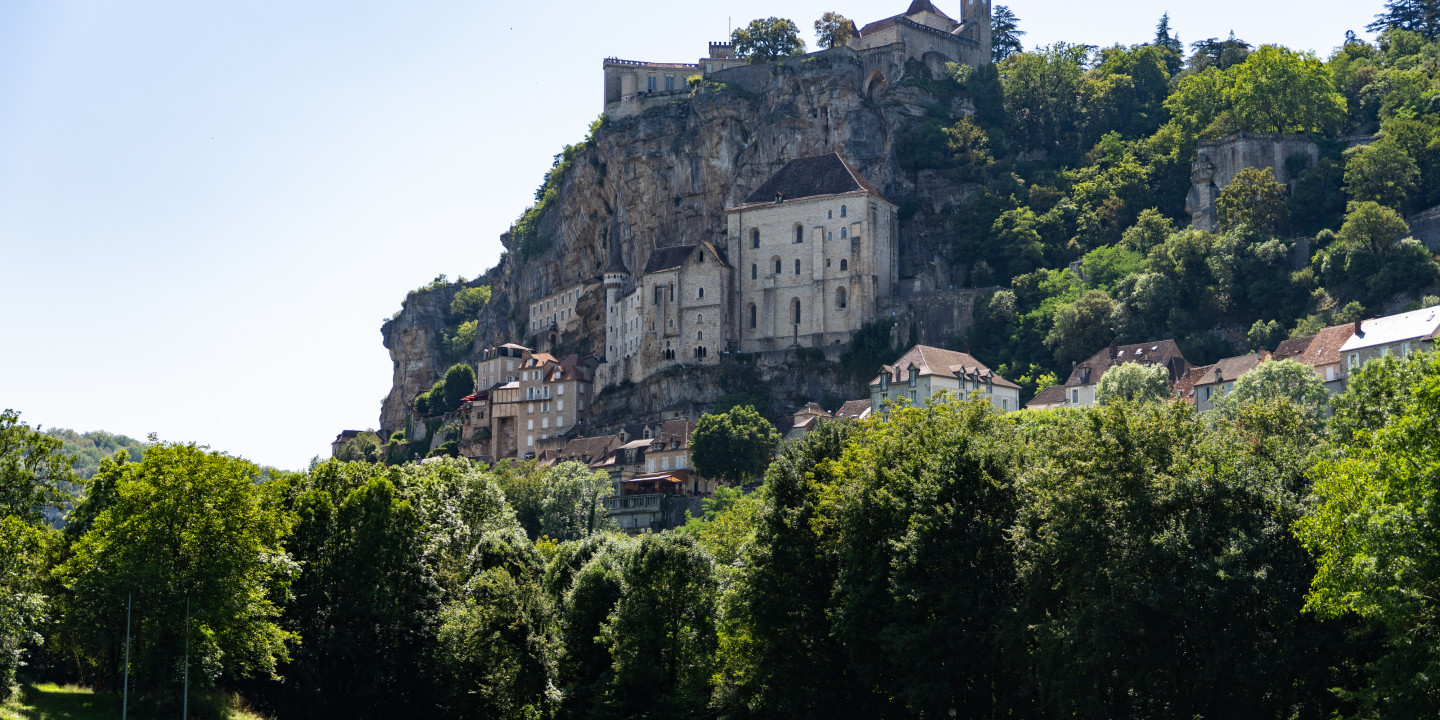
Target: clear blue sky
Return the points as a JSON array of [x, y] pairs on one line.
[[208, 208]]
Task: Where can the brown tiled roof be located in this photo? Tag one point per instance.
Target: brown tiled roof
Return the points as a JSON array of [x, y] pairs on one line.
[[1185, 386], [1230, 368], [812, 409], [1053, 395], [1294, 347], [596, 448], [1325, 348], [853, 409], [1160, 352], [938, 361], [674, 432], [814, 176]]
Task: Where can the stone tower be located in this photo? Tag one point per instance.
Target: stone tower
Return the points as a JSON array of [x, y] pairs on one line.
[[975, 20], [616, 276]]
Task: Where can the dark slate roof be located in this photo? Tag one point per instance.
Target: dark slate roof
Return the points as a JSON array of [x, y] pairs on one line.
[[668, 258], [1160, 352], [617, 266], [675, 434], [1293, 348], [814, 176], [918, 6]]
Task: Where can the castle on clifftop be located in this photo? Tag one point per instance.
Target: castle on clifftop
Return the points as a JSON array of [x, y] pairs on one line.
[[923, 33]]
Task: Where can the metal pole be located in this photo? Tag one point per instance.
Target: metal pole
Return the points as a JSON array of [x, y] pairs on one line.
[[185, 703], [125, 692]]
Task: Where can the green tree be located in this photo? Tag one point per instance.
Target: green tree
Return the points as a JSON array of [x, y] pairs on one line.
[[767, 40], [1083, 327], [1418, 16], [1133, 382], [459, 384], [1265, 335], [1219, 54], [783, 656], [1295, 383], [574, 503], [834, 30], [1374, 533], [496, 646], [1253, 199], [24, 606], [1278, 90], [969, 147], [1005, 33], [661, 633], [1166, 38], [33, 469], [1158, 574], [364, 447], [1042, 94], [733, 447], [468, 302], [184, 524], [1149, 230], [585, 666], [1372, 226], [1381, 172]]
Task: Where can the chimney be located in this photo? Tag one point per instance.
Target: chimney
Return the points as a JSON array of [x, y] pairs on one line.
[[1357, 327], [1114, 349]]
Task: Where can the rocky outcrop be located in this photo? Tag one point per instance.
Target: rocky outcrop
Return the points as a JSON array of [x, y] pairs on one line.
[[664, 177]]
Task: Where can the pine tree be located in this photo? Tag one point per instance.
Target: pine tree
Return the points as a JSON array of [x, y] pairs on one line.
[[1004, 33], [1166, 39], [1420, 16]]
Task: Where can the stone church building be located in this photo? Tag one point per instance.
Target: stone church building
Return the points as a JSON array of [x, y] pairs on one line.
[[808, 257]]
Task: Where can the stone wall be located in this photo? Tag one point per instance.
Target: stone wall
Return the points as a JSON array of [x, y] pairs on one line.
[[1425, 227], [1219, 161]]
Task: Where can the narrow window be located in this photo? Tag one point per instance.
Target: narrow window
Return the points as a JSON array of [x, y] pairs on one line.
[[795, 310], [797, 266], [754, 271], [844, 233], [799, 234], [844, 265], [777, 266], [700, 293], [752, 316], [840, 298], [755, 238], [843, 213]]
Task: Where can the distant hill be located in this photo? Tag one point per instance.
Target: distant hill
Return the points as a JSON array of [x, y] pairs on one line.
[[91, 447]]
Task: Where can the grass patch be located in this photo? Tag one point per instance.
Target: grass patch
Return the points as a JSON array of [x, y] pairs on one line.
[[48, 701]]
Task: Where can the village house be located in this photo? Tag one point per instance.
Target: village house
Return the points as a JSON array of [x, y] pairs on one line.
[[1079, 389], [554, 393], [1397, 335], [499, 365], [853, 410], [1202, 386], [803, 421], [924, 371], [1322, 352]]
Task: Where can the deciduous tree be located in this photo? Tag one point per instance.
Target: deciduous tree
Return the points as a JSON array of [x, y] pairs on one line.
[[733, 447], [834, 30], [767, 40]]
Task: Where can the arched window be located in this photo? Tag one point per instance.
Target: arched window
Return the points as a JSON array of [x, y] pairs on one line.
[[843, 213], [829, 214], [795, 310], [699, 334], [755, 238], [844, 233], [840, 298], [754, 271], [844, 265], [699, 318], [777, 266], [797, 266], [752, 316], [700, 293], [799, 234]]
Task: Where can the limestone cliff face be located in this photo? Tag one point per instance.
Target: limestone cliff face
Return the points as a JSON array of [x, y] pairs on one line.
[[663, 177]]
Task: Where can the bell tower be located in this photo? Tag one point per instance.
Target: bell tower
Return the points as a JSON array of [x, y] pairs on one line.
[[975, 16]]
